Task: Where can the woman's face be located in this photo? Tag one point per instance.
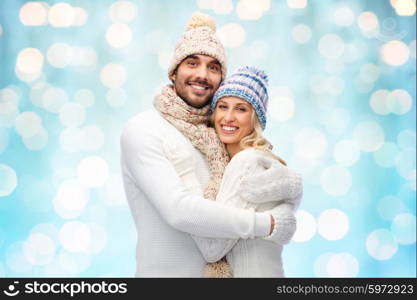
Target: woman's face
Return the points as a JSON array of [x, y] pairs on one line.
[[233, 120]]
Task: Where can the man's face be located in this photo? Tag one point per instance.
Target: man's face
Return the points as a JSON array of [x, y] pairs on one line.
[[196, 79]]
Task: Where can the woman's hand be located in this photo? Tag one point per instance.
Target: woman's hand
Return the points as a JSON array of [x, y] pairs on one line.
[[275, 183]]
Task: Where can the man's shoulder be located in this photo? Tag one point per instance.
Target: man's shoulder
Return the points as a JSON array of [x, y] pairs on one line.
[[142, 118], [143, 122]]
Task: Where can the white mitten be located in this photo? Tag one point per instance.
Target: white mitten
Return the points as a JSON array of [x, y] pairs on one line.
[[276, 183], [285, 224]]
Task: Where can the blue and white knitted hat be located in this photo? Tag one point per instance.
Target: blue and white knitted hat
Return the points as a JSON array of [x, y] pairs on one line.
[[250, 84]]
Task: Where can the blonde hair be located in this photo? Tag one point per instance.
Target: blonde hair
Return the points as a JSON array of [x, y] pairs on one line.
[[256, 140]]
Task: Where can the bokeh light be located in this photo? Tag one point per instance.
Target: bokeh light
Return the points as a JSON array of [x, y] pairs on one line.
[[28, 124], [368, 23], [407, 139], [386, 155], [404, 228], [85, 97], [331, 46], [75, 236], [232, 35], [404, 7], [113, 75], [16, 259], [119, 35], [346, 153], [321, 263], [71, 199], [59, 55], [333, 224], [310, 143], [369, 136], [34, 14], [336, 180], [72, 114], [297, 4], [399, 102], [395, 53], [8, 180], [93, 171], [73, 262], [342, 265], [381, 244], [38, 141], [344, 16], [30, 61], [123, 11], [61, 15], [251, 10], [301, 33], [54, 98], [8, 113], [39, 249], [4, 139], [306, 226], [405, 163]]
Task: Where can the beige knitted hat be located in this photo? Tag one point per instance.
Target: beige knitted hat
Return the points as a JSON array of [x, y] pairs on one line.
[[199, 38]]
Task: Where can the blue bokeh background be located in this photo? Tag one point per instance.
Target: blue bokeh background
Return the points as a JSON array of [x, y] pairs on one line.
[[342, 112]]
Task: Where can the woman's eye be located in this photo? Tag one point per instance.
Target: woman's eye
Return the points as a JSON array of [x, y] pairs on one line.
[[241, 109], [222, 106]]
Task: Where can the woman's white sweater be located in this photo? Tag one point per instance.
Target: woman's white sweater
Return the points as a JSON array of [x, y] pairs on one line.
[[249, 257]]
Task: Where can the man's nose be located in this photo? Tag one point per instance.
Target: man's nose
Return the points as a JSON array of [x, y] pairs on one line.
[[202, 72]]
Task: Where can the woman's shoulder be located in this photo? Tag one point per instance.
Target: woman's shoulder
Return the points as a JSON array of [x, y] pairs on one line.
[[248, 155]]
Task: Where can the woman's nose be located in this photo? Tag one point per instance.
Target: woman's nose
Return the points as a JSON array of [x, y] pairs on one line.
[[229, 116]]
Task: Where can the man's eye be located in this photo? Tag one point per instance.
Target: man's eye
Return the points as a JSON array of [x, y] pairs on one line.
[[191, 63], [215, 68]]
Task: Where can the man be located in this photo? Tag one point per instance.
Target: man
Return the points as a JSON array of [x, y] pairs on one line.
[[167, 214]]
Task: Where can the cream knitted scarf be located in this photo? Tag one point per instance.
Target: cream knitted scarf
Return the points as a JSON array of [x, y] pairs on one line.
[[192, 122]]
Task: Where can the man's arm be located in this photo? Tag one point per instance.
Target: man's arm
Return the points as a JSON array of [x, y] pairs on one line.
[[149, 169], [282, 216]]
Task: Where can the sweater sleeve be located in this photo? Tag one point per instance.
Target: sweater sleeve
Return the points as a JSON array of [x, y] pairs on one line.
[[143, 160], [214, 249], [285, 224]]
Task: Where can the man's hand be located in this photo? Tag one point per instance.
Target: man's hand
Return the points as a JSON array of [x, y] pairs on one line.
[[272, 225], [284, 224]]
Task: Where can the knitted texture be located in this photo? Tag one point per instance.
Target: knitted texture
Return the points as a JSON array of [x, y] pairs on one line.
[[285, 224], [199, 38], [276, 182], [192, 122], [250, 84], [219, 269]]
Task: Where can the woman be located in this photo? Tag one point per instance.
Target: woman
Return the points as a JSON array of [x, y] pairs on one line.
[[239, 116]]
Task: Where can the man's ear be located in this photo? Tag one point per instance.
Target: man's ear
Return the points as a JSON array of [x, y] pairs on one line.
[[173, 77]]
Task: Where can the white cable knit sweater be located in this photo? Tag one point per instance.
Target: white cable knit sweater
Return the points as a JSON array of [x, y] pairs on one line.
[[250, 257], [165, 211]]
